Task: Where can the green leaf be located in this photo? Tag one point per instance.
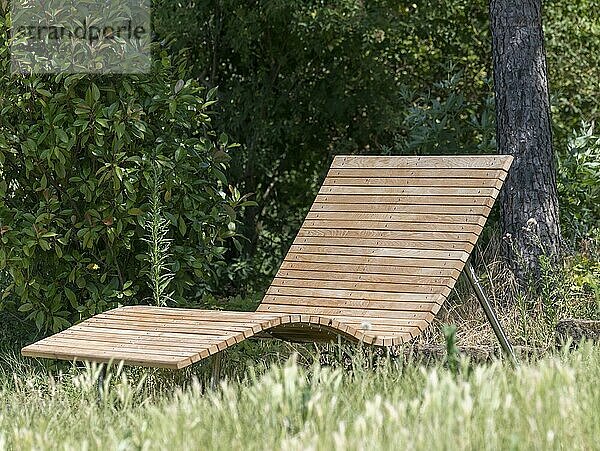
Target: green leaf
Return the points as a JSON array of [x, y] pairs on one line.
[[95, 92], [220, 175], [26, 307], [223, 139], [71, 296], [182, 226], [61, 135], [40, 317]]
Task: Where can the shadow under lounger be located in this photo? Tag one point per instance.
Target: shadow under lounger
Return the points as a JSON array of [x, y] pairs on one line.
[[377, 255]]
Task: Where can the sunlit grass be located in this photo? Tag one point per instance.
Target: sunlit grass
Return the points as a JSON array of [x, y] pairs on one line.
[[549, 404]]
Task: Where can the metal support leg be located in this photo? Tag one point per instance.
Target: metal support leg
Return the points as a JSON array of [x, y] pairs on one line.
[[490, 313], [215, 370], [101, 377]]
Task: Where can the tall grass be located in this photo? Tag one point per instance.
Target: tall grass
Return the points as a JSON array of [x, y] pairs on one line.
[[569, 288], [159, 274], [550, 404]]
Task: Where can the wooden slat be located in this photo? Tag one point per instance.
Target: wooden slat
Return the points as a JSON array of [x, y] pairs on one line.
[[221, 320], [378, 252], [366, 315], [199, 336], [221, 323], [141, 358], [434, 162], [193, 325], [126, 342], [403, 269], [172, 325], [377, 261], [414, 181], [357, 305], [383, 243], [424, 199], [168, 317], [482, 210], [358, 322], [149, 360], [434, 235], [192, 331], [93, 344], [187, 346], [408, 191], [137, 326], [220, 315], [400, 282], [209, 334], [203, 329], [396, 217], [418, 173], [400, 226], [354, 294], [359, 285]]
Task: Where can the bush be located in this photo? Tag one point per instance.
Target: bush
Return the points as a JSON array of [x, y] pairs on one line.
[[445, 122], [304, 80], [572, 35], [579, 183], [77, 158]]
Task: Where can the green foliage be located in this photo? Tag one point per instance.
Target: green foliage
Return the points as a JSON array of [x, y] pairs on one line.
[[301, 81], [586, 278], [579, 183], [304, 80], [77, 154], [572, 35], [570, 289], [445, 122], [452, 352]]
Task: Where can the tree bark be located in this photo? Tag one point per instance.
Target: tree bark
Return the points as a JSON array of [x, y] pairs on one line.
[[529, 201]]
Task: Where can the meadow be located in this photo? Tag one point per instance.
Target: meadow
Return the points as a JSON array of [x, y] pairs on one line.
[[547, 403]]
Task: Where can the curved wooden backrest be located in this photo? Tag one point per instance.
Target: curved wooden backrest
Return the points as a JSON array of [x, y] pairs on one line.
[[386, 239]]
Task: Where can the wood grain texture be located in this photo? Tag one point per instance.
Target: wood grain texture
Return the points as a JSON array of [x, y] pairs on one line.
[[405, 199], [376, 257], [414, 182], [502, 162], [419, 173], [434, 235], [406, 209]]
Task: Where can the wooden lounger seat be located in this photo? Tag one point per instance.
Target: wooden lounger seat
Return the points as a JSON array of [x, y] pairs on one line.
[[380, 249]]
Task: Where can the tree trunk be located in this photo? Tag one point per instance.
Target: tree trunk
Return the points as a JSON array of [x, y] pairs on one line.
[[529, 201]]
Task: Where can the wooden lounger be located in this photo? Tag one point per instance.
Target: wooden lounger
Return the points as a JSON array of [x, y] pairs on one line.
[[381, 248]]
